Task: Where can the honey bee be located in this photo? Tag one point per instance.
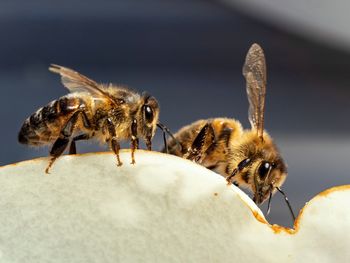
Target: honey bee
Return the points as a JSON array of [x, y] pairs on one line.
[[107, 113], [246, 158]]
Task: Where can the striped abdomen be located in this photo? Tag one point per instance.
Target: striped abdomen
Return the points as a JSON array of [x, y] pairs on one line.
[[45, 125]]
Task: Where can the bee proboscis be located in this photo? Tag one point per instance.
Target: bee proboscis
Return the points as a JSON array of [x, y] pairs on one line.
[[107, 113], [246, 158]]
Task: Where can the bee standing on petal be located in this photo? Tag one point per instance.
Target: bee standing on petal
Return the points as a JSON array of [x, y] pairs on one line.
[[247, 158], [107, 113]]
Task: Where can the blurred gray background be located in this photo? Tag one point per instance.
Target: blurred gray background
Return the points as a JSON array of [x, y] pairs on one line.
[[189, 55]]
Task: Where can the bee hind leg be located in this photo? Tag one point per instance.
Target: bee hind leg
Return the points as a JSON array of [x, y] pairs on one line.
[[72, 147], [197, 152], [57, 149], [62, 141]]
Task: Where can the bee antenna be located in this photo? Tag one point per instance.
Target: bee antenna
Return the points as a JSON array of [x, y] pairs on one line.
[[164, 139], [146, 96], [166, 130], [269, 204], [287, 201]]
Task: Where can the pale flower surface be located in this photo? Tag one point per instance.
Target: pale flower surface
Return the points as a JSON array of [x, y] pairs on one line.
[[162, 209]]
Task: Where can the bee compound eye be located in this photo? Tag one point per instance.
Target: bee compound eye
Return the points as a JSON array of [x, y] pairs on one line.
[[148, 113], [243, 164], [264, 169]]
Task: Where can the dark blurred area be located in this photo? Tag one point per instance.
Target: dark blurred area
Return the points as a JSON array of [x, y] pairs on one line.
[[189, 55]]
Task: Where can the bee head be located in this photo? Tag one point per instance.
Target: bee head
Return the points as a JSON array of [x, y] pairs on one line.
[[148, 117], [262, 168], [268, 175]]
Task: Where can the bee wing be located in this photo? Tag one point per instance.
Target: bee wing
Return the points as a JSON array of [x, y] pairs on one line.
[[254, 71], [77, 82]]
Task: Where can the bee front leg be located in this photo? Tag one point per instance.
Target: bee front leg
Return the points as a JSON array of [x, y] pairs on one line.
[[233, 174], [114, 144], [237, 170], [134, 140], [149, 144]]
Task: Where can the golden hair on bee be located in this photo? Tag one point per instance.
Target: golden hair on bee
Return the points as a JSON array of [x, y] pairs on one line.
[[107, 113], [246, 158]]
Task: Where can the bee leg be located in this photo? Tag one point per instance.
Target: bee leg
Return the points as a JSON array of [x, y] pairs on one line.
[[114, 144], [149, 144], [86, 123], [57, 149], [72, 148], [134, 146], [239, 168], [197, 151], [116, 147], [229, 178], [134, 140], [61, 143]]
